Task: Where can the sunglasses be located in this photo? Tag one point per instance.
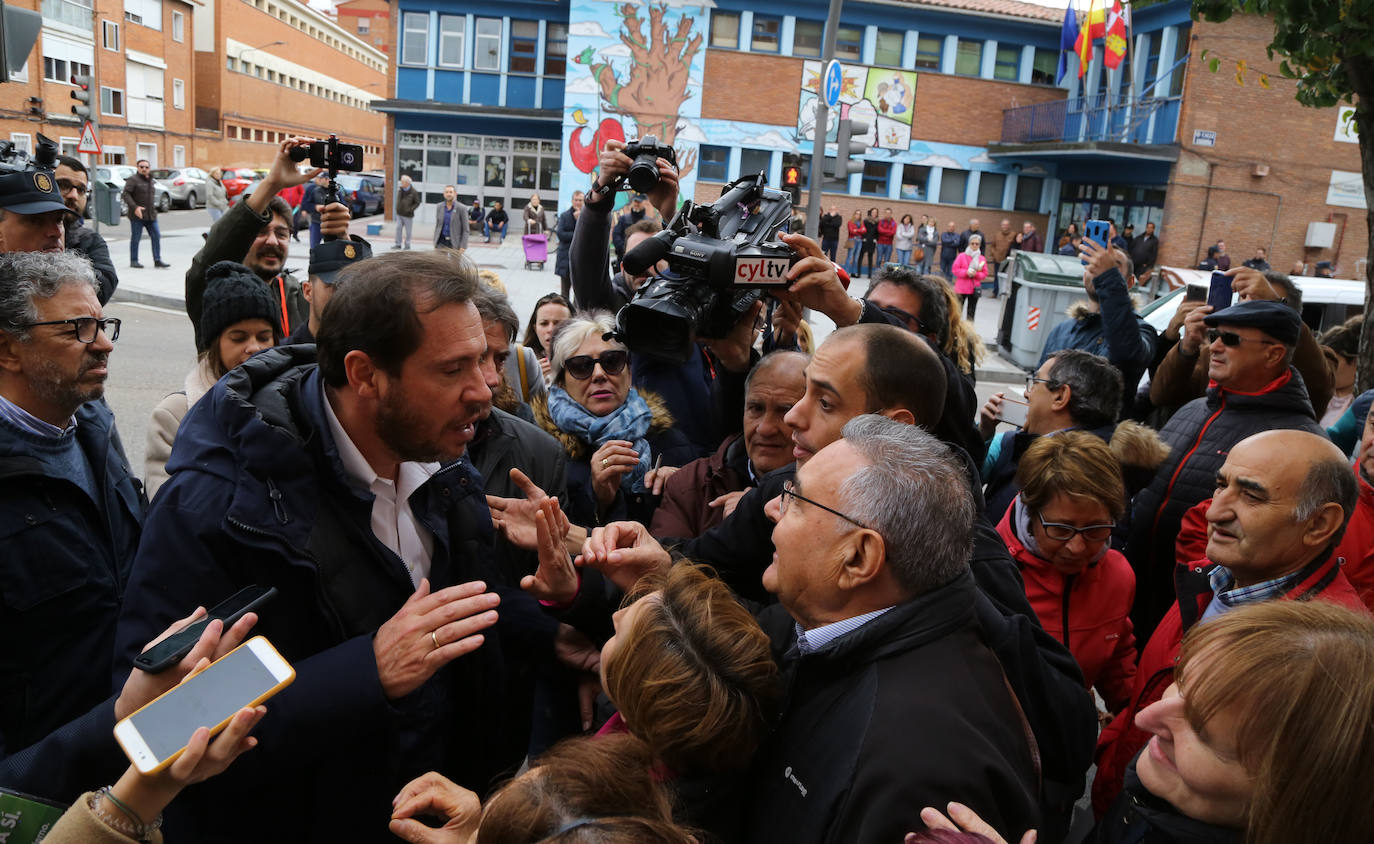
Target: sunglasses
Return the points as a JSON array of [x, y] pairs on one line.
[[1231, 338], [612, 363]]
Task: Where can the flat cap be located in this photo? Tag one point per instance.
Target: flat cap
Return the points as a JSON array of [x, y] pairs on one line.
[[1273, 318]]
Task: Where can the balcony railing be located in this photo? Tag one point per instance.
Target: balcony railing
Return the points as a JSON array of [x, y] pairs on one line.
[[75, 13], [1101, 117]]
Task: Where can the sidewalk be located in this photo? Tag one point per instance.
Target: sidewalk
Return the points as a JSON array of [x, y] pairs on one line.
[[166, 288]]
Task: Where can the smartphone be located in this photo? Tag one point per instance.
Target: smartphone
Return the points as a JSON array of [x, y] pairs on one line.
[[1098, 231], [1013, 411], [175, 647], [1219, 293], [1195, 293], [154, 736]]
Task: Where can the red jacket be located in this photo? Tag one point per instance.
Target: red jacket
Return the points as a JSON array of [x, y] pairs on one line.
[[1357, 547], [1122, 739], [1089, 613], [886, 229]]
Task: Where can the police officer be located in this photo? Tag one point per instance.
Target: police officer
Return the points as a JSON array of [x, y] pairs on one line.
[[31, 211], [325, 262]]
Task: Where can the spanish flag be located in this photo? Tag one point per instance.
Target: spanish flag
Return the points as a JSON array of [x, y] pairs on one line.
[[1094, 25]]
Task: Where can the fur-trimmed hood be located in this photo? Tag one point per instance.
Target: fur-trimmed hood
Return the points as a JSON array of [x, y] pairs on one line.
[[1081, 309], [580, 450], [1140, 451]]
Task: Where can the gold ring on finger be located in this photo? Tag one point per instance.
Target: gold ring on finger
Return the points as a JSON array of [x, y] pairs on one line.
[[434, 637]]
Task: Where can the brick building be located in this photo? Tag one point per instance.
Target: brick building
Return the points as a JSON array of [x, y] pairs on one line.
[[139, 51], [370, 20], [270, 69]]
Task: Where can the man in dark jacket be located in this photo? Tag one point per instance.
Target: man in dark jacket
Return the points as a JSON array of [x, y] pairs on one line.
[[706, 490], [496, 223], [1144, 251], [636, 211], [893, 701], [140, 204], [407, 203], [566, 228], [1107, 323], [1029, 239], [328, 482], [74, 184], [1254, 388], [70, 509], [257, 233], [829, 231]]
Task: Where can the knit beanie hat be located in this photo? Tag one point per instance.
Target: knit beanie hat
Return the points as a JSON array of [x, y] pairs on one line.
[[234, 293]]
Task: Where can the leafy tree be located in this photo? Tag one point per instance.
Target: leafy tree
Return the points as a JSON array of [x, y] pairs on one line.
[[1328, 46]]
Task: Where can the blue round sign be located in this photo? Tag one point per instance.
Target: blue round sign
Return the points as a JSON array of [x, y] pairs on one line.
[[831, 83]]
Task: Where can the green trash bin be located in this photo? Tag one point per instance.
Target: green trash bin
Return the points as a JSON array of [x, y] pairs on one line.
[[1042, 289], [106, 199]]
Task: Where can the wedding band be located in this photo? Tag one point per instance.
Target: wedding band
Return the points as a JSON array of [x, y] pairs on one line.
[[433, 635]]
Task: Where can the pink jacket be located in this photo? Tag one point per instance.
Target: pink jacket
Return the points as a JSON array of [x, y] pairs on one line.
[[963, 282]]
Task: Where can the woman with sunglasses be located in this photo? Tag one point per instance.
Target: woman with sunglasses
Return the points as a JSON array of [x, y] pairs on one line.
[[551, 311], [621, 443], [238, 320], [1059, 532]]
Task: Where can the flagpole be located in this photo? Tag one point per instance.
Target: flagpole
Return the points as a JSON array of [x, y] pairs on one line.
[[1130, 64]]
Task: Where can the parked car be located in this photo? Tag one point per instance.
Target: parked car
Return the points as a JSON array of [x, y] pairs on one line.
[[235, 179], [362, 192], [188, 186], [1325, 301], [115, 174], [246, 190]]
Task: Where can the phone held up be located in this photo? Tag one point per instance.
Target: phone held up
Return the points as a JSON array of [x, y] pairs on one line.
[[155, 735], [175, 647], [1013, 411], [1219, 293], [1098, 231]]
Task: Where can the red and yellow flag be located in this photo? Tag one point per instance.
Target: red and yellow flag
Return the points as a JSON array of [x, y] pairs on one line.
[[1083, 47], [1114, 41]]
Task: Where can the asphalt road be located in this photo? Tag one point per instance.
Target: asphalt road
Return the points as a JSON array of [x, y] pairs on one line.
[[151, 359]]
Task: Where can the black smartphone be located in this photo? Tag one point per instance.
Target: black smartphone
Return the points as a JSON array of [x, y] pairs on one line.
[[1219, 292], [1195, 293], [175, 647]]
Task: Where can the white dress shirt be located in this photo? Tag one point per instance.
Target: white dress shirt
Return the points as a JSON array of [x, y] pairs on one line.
[[393, 522]]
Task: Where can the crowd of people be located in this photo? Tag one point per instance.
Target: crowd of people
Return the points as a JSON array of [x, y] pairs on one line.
[[540, 585]]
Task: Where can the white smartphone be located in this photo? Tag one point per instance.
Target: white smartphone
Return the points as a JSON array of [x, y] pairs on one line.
[[155, 735], [1013, 411]]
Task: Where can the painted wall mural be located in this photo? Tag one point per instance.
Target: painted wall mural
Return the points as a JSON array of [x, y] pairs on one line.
[[883, 98], [636, 70]]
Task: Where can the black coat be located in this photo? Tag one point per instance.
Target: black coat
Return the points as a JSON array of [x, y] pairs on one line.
[[910, 710], [86, 242], [1139, 817], [830, 226], [64, 568], [565, 228], [258, 494]]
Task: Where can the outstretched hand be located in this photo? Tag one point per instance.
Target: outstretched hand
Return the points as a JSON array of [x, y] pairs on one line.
[[963, 819], [623, 552], [514, 517], [435, 795], [142, 687], [815, 283], [556, 580]]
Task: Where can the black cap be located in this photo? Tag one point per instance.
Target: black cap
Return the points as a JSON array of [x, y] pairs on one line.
[[639, 197], [1273, 318], [234, 293], [30, 192], [333, 255]]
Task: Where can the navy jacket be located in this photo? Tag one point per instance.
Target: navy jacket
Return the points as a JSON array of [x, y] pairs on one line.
[[566, 227], [258, 495], [64, 568], [1116, 333]]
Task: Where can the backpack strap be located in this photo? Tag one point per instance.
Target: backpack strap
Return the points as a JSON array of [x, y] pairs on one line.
[[524, 376]]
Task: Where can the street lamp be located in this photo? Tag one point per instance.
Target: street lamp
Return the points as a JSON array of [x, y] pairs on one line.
[[363, 88], [243, 53]]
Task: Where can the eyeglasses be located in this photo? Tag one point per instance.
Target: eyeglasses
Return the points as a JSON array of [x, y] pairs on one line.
[[612, 363], [904, 316], [1231, 338], [65, 185], [1033, 379], [1063, 533], [85, 327], [789, 491]]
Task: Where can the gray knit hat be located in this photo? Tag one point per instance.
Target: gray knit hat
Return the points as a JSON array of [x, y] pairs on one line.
[[234, 293]]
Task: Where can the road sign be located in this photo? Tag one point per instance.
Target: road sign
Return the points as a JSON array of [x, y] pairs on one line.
[[89, 142], [832, 82]]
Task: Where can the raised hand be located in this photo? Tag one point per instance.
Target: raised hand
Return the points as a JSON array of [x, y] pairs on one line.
[[623, 552], [429, 631], [556, 580]]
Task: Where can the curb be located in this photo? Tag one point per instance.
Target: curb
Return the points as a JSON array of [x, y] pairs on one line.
[[123, 295]]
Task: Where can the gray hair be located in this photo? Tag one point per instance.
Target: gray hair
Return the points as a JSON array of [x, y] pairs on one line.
[[1292, 294], [573, 333], [493, 306], [908, 471], [29, 276], [1094, 386], [1328, 481]]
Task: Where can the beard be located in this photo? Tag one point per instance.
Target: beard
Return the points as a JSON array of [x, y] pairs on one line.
[[400, 425], [55, 387]]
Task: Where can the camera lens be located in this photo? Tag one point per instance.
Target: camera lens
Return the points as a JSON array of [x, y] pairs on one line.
[[643, 175]]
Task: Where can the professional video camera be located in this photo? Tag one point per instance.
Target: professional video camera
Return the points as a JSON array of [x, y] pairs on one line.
[[15, 160], [333, 157], [722, 258], [643, 175]]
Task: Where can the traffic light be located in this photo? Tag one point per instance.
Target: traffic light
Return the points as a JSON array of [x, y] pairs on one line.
[[849, 144], [791, 182], [82, 95], [36, 107]]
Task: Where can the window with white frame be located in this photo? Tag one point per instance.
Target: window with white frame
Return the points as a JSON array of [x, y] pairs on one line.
[[148, 153], [112, 101], [555, 49], [110, 35], [178, 156], [144, 12], [178, 26], [487, 55], [364, 26], [452, 39], [178, 93], [145, 89], [414, 38], [22, 141], [62, 70], [67, 145], [524, 46]]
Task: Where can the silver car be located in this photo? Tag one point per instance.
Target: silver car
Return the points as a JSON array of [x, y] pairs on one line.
[[188, 186], [115, 174]]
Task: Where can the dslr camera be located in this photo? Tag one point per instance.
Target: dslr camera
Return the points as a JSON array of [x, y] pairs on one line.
[[15, 160], [646, 151], [722, 258], [331, 155]]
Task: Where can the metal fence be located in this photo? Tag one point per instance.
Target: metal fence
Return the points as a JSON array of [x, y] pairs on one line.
[[1100, 117]]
